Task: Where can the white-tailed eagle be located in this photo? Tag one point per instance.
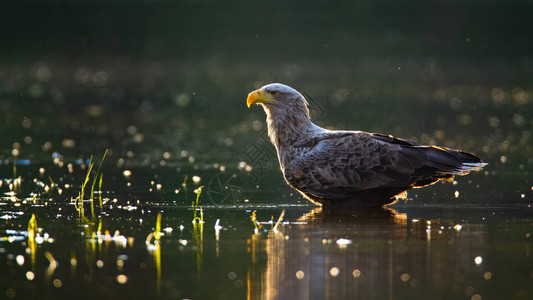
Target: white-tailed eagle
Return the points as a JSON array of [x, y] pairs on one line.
[[350, 168]]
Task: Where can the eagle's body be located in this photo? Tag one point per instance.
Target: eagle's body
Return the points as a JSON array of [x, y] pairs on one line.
[[350, 168]]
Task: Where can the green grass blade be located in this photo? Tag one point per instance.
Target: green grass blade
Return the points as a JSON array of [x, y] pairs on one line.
[[97, 173]]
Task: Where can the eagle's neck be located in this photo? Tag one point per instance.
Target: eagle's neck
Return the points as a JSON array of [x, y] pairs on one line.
[[287, 126]]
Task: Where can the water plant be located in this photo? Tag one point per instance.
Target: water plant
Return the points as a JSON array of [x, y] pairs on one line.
[[157, 252], [32, 226], [78, 202], [52, 183], [198, 230], [156, 234], [155, 248], [95, 179], [32, 234], [100, 190], [275, 228], [198, 240], [15, 154], [197, 219], [184, 184], [257, 226]]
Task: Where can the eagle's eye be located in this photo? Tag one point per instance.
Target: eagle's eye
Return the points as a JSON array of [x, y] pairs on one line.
[[274, 93]]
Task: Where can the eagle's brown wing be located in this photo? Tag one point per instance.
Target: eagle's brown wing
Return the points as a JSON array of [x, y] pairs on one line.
[[337, 165]]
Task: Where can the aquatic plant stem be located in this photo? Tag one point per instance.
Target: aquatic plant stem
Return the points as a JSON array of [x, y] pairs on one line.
[[97, 173], [197, 219], [79, 200], [32, 233]]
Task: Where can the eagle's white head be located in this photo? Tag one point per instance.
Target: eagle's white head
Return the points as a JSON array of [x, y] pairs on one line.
[[277, 96], [287, 112]]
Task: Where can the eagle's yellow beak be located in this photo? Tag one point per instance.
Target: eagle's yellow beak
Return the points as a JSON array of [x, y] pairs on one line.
[[258, 97]]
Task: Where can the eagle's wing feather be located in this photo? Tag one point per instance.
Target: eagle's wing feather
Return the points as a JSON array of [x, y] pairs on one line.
[[339, 164], [336, 165]]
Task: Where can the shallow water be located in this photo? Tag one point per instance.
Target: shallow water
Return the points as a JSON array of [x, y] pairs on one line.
[[166, 96], [439, 251], [467, 239]]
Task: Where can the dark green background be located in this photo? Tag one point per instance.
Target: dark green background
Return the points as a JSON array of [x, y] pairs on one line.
[[432, 71]]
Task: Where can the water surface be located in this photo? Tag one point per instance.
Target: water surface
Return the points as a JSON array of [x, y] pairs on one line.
[[162, 87]]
